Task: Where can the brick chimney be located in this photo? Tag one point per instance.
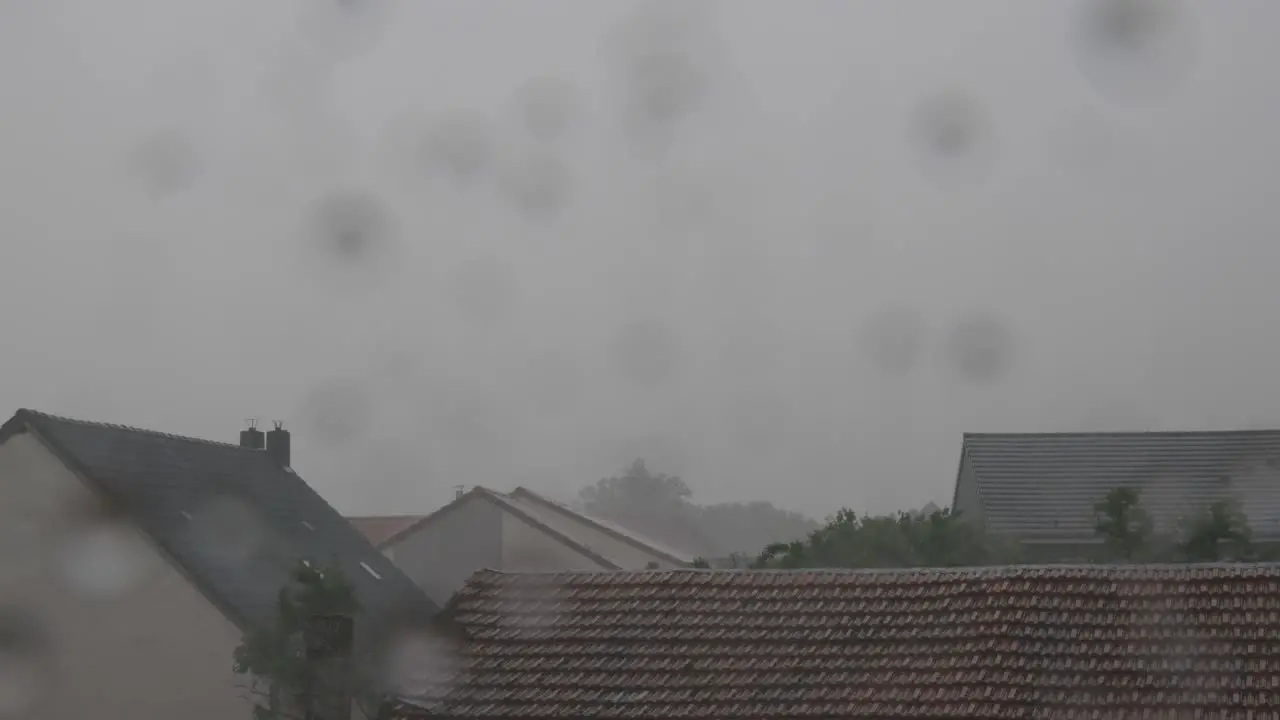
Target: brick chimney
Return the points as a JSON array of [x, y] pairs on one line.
[[278, 444], [328, 640], [252, 437]]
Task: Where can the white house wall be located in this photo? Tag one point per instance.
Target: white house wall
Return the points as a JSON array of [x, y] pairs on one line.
[[526, 548], [154, 649]]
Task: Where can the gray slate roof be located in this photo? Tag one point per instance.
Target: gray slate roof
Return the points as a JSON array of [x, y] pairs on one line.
[[1046, 484], [234, 521]]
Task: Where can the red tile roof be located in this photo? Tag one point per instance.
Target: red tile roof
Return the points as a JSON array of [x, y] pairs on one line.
[[1041, 642], [378, 528]]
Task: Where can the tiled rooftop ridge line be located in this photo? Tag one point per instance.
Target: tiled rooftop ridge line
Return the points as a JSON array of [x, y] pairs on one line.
[[1053, 641]]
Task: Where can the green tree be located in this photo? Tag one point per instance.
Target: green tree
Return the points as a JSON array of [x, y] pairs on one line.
[[273, 657], [1219, 529], [661, 506], [1124, 526], [749, 526], [655, 504], [635, 488]]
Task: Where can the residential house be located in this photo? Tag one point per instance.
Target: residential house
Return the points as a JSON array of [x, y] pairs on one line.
[[517, 531], [1053, 642], [926, 510], [1040, 488], [133, 562], [378, 529]]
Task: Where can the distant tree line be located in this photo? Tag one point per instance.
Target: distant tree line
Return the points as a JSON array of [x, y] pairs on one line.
[[1218, 532], [660, 506], [848, 540]]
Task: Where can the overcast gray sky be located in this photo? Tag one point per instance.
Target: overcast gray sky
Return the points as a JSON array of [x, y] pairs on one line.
[[790, 251]]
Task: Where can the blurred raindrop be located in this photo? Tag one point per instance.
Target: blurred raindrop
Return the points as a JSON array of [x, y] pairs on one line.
[[950, 128], [415, 659], [484, 290], [893, 338], [547, 109], [538, 185], [352, 227], [229, 528], [26, 665], [1134, 48], [338, 411], [344, 27], [662, 78], [105, 559], [646, 353], [980, 347], [460, 146], [165, 162]]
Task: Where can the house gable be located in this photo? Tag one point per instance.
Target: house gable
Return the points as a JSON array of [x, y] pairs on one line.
[[377, 529], [482, 529], [527, 546], [441, 554], [128, 635], [233, 519], [230, 520], [506, 505]]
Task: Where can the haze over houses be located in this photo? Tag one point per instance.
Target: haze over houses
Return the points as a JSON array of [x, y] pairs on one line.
[[513, 605], [516, 531]]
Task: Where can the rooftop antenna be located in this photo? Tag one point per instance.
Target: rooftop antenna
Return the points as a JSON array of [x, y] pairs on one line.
[[251, 422], [279, 424]]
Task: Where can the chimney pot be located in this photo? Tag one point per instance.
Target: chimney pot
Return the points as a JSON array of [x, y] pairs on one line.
[[278, 444], [252, 437], [459, 491]]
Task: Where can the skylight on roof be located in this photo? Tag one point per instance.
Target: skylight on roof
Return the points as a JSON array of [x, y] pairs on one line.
[[186, 514], [370, 570], [308, 525]]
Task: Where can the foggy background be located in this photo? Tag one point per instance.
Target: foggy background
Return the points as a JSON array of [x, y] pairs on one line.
[[787, 251]]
